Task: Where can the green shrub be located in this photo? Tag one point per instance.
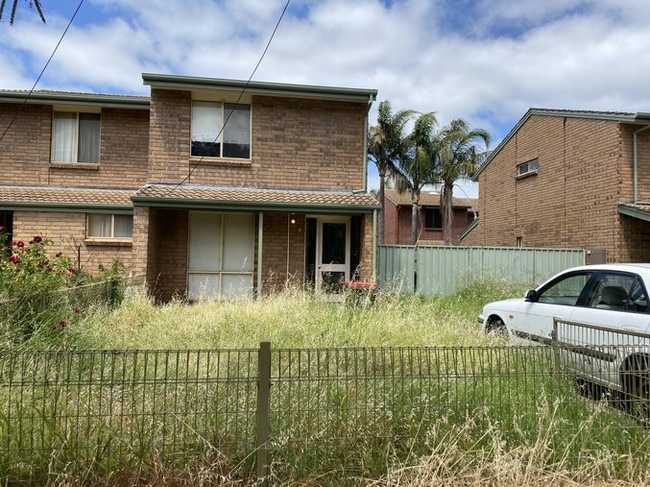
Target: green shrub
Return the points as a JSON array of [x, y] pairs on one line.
[[33, 298]]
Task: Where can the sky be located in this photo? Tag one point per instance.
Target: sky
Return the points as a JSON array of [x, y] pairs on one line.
[[486, 61]]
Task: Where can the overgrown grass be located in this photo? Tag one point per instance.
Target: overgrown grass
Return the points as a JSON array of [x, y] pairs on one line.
[[290, 319], [471, 411]]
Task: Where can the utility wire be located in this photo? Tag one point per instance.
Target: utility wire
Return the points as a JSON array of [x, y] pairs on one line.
[[29, 94], [241, 94]]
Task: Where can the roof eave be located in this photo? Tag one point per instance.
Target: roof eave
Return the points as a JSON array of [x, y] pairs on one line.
[[260, 88], [66, 207], [77, 99], [637, 213], [275, 206]]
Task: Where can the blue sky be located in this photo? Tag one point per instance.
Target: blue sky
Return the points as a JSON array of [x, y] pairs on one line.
[[486, 61]]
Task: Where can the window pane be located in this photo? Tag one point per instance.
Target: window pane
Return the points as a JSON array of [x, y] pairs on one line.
[[123, 226], [206, 125], [64, 137], [334, 243], [236, 286], [89, 129], [202, 286], [99, 225], [237, 133], [205, 242], [238, 242]]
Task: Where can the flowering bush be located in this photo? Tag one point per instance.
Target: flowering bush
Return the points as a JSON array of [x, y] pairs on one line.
[[30, 285]]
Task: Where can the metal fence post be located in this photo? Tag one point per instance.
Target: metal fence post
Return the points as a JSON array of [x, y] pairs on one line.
[[263, 412]]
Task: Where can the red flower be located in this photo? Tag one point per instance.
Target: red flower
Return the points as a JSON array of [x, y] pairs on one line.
[[14, 260], [20, 244], [71, 269], [58, 254], [63, 324], [77, 310], [38, 239]]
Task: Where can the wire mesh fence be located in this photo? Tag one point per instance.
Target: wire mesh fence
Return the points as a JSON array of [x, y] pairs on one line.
[[339, 410]]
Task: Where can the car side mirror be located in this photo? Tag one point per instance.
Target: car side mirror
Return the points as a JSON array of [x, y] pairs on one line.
[[532, 296]]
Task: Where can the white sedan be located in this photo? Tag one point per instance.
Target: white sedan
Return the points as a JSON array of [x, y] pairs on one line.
[[598, 313]]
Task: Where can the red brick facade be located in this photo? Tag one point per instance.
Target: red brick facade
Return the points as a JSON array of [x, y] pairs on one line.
[[398, 216], [302, 138], [586, 170]]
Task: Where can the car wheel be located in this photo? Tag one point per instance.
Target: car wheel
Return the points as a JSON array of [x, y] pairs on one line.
[[636, 381], [496, 327]]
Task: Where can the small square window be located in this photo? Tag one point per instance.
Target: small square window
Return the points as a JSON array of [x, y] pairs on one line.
[[75, 137], [109, 226], [432, 218], [221, 130], [528, 167]]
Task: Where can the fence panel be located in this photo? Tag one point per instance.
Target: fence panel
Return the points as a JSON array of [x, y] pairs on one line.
[[442, 270], [113, 411], [333, 413]]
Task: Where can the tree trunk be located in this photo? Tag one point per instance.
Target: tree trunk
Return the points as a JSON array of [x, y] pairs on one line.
[[380, 196], [415, 216], [447, 206]]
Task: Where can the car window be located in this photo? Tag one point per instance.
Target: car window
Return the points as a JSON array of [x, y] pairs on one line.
[[564, 291], [619, 292]]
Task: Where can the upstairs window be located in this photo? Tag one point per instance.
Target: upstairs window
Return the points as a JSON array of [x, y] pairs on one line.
[[432, 218], [210, 138], [528, 167], [75, 137], [109, 226]]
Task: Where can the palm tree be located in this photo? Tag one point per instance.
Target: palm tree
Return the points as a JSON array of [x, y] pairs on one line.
[[32, 4], [418, 167], [461, 150], [386, 146]]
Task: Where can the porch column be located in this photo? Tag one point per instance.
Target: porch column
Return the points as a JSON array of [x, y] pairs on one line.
[[260, 242]]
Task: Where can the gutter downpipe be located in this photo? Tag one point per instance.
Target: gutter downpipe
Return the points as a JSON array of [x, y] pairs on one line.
[[636, 161], [374, 245]]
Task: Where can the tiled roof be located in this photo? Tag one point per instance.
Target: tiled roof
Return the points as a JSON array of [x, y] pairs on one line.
[[215, 196], [17, 196], [427, 199]]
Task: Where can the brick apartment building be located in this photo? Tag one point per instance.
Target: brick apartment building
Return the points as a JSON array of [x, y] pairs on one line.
[[569, 179], [209, 187], [397, 218]]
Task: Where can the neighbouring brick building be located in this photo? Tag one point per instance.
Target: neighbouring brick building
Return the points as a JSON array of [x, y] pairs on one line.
[[397, 218], [569, 179], [209, 187]]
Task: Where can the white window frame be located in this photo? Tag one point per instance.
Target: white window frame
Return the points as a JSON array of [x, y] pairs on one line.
[[111, 226], [528, 167], [72, 139], [217, 134], [211, 268]]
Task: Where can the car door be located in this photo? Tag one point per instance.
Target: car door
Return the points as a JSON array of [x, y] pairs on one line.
[[557, 298], [612, 316]]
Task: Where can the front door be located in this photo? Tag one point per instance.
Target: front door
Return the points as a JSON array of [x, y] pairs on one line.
[[332, 255]]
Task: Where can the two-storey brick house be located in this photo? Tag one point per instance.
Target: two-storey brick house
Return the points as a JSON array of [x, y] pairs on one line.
[[397, 218], [569, 179], [212, 188]]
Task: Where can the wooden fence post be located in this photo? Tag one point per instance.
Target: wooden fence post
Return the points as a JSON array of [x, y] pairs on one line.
[[263, 412]]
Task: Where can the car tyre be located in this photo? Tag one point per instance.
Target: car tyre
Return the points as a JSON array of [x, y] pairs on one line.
[[497, 328], [636, 381]]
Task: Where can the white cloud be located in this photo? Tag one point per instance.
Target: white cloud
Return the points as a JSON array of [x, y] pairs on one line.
[[503, 58]]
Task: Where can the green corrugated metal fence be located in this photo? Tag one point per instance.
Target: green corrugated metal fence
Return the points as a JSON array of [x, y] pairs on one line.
[[433, 270]]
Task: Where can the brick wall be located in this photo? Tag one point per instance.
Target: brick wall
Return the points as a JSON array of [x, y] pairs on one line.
[[570, 203], [67, 232], [397, 221], [283, 250], [25, 150], [167, 269], [296, 144]]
